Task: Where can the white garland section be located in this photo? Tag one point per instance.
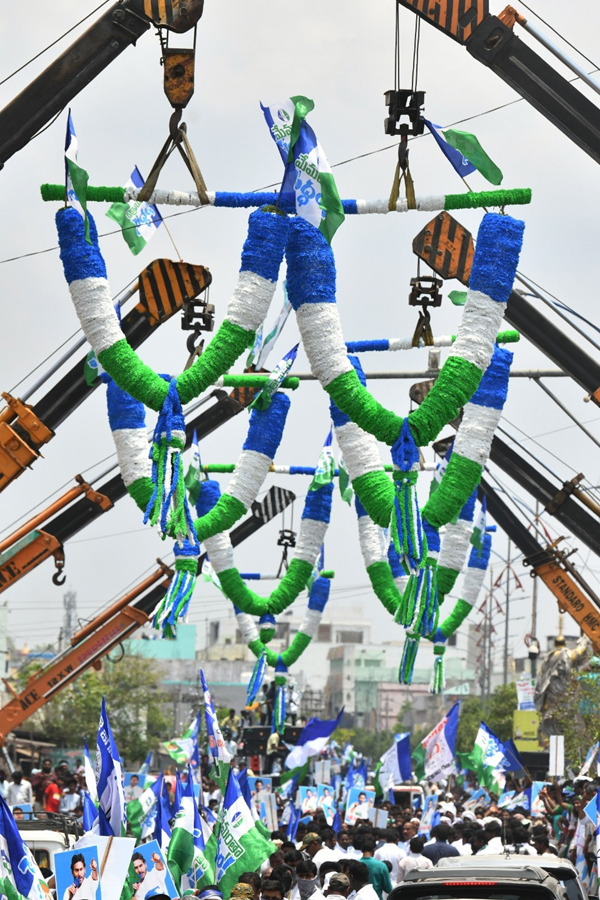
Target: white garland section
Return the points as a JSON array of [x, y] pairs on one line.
[[455, 544], [432, 203], [134, 461]]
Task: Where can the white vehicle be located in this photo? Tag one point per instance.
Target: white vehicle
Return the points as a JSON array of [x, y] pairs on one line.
[[48, 833], [406, 794], [561, 869]]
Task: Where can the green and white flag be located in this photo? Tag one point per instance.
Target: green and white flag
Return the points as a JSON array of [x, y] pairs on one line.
[[194, 476], [241, 846], [467, 144], [438, 475], [345, 486], [137, 810], [479, 526], [325, 470], [186, 856], [308, 183], [209, 574], [434, 756], [76, 178], [487, 759], [182, 749], [270, 340], [139, 221], [274, 381]]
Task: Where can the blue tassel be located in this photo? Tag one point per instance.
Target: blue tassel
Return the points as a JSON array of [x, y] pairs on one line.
[[279, 710], [409, 656], [257, 678], [168, 507], [174, 605], [406, 526]]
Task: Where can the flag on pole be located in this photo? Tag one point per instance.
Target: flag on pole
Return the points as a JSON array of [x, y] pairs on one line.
[[434, 756], [20, 876], [469, 146], [138, 810], [344, 482], [438, 474], [186, 857], [479, 526], [76, 178], [308, 181], [325, 470], [216, 743], [89, 773], [312, 740], [208, 573], [139, 221], [162, 830], [274, 380], [241, 846], [194, 476], [459, 163], [182, 749], [262, 350], [90, 812], [143, 770], [109, 778], [489, 758], [589, 759]]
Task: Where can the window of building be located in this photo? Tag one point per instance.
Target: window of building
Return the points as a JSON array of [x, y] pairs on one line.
[[213, 632], [373, 663], [451, 640], [349, 637], [324, 634]]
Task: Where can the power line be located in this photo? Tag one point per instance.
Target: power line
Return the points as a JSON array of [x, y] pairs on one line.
[[53, 44]]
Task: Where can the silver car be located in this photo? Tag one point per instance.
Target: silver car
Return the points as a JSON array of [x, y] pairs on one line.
[[561, 869]]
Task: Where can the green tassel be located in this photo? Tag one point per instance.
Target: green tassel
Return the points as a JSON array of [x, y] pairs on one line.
[[409, 656], [438, 675]]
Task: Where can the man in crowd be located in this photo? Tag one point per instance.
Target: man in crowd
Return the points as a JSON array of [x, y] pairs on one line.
[[390, 852], [19, 790], [440, 848], [379, 874], [315, 850]]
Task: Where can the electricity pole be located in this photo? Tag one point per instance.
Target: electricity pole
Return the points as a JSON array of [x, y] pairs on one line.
[[506, 621]]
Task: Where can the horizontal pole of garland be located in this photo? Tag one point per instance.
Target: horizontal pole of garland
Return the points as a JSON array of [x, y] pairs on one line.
[[227, 468], [258, 576], [466, 200], [405, 343], [255, 381]]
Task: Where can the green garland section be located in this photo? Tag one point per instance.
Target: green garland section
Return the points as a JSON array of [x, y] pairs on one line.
[[358, 403], [446, 579], [382, 582], [455, 488], [300, 642], [375, 491], [141, 491], [95, 193], [456, 618], [293, 582], [475, 200], [455, 385], [141, 381], [292, 383]]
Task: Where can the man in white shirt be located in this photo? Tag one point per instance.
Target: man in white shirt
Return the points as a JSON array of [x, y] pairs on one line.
[[414, 860], [391, 852], [83, 888], [133, 791], [308, 880], [359, 879], [344, 848], [151, 882], [313, 845], [19, 790]]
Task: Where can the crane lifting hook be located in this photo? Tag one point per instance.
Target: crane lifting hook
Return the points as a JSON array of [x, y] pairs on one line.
[[59, 577]]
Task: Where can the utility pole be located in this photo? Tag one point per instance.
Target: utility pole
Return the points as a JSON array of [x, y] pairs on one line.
[[533, 657], [507, 610]]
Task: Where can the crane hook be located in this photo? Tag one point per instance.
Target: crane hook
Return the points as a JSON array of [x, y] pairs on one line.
[[59, 578]]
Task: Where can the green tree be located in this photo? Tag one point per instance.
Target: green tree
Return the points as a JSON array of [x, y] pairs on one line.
[[135, 701], [499, 716], [468, 724], [577, 716]]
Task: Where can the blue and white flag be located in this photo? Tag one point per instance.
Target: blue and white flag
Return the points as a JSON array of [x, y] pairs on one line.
[[18, 868], [109, 778], [312, 740], [459, 163], [90, 775], [139, 221], [162, 831], [308, 182], [216, 743], [76, 178], [589, 760], [435, 754], [293, 821], [395, 766], [90, 812], [144, 769]]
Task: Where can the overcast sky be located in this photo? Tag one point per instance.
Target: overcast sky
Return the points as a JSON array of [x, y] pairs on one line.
[[341, 55]]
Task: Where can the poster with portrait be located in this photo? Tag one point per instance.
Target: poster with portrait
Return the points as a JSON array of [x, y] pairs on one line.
[[149, 874], [358, 803], [133, 788], [325, 801], [308, 800], [260, 787], [77, 874]]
